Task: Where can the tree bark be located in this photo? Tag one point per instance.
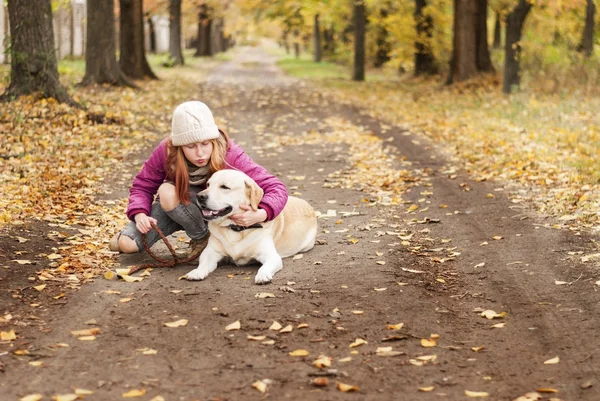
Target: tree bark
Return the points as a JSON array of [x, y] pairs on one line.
[[512, 47], [175, 51], [484, 62], [33, 59], [328, 42], [101, 64], [152, 33], [587, 41], [203, 45], [464, 55], [497, 32], [425, 63], [284, 38], [382, 54], [131, 41], [358, 73], [317, 40]]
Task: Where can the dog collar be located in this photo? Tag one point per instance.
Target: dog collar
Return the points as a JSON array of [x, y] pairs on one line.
[[237, 228]]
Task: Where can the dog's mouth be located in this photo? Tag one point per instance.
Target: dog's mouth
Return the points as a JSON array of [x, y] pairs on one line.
[[209, 214]]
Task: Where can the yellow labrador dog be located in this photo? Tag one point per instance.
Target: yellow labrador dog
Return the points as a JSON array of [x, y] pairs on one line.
[[292, 231]]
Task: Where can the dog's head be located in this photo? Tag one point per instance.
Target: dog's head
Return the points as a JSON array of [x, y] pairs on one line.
[[225, 191]]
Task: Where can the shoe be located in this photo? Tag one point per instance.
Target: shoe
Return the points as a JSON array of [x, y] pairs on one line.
[[113, 245], [197, 245]]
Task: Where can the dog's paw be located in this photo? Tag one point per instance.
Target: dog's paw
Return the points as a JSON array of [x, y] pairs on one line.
[[196, 274], [262, 278]]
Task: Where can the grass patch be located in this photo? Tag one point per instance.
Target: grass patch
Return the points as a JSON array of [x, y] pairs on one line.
[[546, 144], [307, 69]]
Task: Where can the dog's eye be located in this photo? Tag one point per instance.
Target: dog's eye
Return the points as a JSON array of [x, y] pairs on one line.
[[225, 187]]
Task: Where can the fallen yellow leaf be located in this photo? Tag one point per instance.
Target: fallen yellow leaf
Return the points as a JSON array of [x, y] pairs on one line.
[[275, 326], [81, 391], [428, 343], [395, 326], [299, 352], [86, 332], [134, 393], [32, 397], [147, 351], [358, 342], [476, 393], [109, 275], [23, 262], [322, 362], [426, 389], [346, 388], [287, 329], [552, 361], [65, 397], [177, 323], [256, 338], [260, 386], [234, 326], [8, 335], [40, 287], [490, 314]]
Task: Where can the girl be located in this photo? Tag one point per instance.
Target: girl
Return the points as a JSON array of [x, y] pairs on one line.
[[177, 170]]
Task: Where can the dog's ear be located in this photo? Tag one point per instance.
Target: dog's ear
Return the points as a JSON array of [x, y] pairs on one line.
[[254, 193]]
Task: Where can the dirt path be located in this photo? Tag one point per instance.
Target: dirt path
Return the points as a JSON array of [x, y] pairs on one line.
[[430, 267]]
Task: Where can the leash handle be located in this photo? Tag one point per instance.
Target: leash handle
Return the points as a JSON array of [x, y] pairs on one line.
[[161, 262]]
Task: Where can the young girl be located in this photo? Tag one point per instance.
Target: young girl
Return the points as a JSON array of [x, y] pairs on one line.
[[177, 170]]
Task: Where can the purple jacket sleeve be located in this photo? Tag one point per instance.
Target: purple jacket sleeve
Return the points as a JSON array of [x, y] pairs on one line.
[[275, 193], [146, 183]]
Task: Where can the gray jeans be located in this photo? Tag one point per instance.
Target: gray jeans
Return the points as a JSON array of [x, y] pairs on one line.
[[183, 217]]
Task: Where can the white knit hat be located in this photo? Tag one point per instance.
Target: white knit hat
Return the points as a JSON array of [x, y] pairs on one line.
[[193, 122]]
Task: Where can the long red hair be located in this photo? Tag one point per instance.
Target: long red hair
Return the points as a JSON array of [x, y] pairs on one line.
[[177, 170]]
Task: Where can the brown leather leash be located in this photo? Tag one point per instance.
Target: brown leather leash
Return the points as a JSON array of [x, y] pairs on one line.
[[161, 262]]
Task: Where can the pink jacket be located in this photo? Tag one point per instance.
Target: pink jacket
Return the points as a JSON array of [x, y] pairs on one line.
[[153, 174]]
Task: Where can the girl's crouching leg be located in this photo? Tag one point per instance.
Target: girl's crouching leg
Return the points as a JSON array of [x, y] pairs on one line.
[[127, 245]]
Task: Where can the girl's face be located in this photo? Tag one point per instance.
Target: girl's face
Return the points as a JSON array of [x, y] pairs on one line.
[[198, 153]]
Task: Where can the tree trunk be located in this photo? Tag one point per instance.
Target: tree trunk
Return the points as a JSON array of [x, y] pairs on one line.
[[329, 43], [587, 41], [33, 59], [512, 47], [175, 32], [425, 63], [382, 54], [286, 44], [152, 33], [101, 64], [203, 45], [484, 62], [358, 73], [131, 40], [497, 32], [216, 35], [464, 56], [296, 49], [317, 39]]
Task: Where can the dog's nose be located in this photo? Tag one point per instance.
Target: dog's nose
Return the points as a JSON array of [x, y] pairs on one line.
[[202, 198]]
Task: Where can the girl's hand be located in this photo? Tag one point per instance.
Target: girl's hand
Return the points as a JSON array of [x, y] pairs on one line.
[[142, 222], [248, 217]]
